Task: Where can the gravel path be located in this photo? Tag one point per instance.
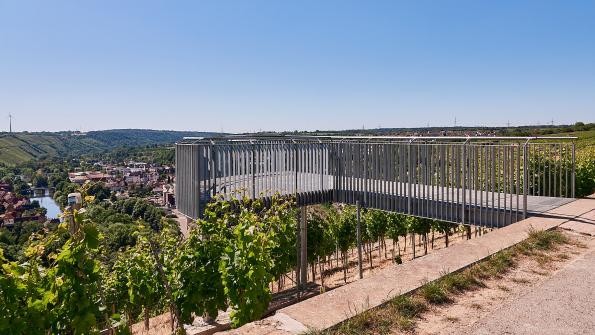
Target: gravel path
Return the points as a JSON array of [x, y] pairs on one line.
[[562, 304]]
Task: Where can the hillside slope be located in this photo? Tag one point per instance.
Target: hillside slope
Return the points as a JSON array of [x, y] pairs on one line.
[[586, 138], [17, 148]]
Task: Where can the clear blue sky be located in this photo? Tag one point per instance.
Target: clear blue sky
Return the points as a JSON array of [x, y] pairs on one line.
[[281, 65]]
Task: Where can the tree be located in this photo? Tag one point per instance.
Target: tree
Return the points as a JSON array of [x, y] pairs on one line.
[[20, 187], [99, 191], [119, 236], [40, 181]]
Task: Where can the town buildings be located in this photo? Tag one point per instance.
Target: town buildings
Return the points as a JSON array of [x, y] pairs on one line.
[[14, 208], [153, 180]]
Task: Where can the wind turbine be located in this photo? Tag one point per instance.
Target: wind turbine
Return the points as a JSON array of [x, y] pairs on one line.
[[9, 123]]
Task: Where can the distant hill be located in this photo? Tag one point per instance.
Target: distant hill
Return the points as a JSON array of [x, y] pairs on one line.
[[21, 147], [141, 137]]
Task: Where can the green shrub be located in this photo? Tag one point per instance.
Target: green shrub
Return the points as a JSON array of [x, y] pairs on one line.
[[434, 293], [408, 306], [459, 282], [585, 172], [546, 239], [499, 263]]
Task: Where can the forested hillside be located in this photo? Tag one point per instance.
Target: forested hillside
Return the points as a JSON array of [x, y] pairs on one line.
[[140, 137], [17, 148]]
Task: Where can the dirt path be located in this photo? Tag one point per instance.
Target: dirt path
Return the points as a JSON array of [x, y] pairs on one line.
[[540, 296]]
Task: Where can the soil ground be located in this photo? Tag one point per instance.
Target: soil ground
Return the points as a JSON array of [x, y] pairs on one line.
[[471, 312]]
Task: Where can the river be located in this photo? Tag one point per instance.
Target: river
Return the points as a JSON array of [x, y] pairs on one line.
[[47, 202]]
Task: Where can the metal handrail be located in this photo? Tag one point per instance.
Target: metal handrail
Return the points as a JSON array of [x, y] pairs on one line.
[[321, 138]]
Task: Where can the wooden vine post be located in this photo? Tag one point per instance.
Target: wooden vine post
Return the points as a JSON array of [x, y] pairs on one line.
[[303, 249]]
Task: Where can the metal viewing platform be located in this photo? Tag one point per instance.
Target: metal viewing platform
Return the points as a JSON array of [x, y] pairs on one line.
[[487, 181]]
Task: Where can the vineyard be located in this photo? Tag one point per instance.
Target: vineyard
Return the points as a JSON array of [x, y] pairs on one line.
[[236, 257], [87, 276]]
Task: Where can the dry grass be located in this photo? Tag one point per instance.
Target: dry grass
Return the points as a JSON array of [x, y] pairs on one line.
[[539, 272], [562, 256], [543, 260], [460, 282], [520, 280], [476, 306], [452, 319], [434, 293], [504, 288]]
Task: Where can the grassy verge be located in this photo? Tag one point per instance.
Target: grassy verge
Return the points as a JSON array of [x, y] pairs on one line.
[[403, 311]]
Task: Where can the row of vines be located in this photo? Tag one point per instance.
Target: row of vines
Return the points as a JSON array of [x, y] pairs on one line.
[[585, 172], [332, 235], [549, 174], [229, 260]]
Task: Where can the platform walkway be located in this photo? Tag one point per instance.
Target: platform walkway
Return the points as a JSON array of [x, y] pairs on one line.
[[481, 207], [483, 181]]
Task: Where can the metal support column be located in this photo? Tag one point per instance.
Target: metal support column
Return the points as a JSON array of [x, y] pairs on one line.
[[359, 240], [573, 172], [464, 168], [253, 172], [525, 179]]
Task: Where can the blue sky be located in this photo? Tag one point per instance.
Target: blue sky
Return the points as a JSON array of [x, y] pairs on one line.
[[279, 65]]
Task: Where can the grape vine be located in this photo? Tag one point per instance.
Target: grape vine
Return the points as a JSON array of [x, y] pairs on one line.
[[69, 285]]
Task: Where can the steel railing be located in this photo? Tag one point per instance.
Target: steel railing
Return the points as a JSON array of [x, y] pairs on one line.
[[488, 181]]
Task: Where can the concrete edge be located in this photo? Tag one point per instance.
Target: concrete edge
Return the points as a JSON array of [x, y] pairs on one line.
[[288, 324]]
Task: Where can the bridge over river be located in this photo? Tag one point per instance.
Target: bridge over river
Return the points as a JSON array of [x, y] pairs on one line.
[[485, 181]]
